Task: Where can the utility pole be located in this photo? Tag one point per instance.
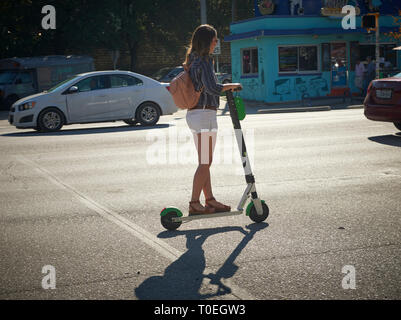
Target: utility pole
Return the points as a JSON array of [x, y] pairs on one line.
[[203, 11], [377, 48], [233, 10], [370, 22]]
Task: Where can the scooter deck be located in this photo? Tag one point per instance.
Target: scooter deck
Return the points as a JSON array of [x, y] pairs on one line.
[[188, 218]]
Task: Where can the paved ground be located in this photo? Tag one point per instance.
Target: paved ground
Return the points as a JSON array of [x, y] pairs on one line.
[[87, 201]]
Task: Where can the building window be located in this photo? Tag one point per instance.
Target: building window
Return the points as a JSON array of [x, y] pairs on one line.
[[296, 59], [249, 61], [288, 59], [387, 54], [307, 58]]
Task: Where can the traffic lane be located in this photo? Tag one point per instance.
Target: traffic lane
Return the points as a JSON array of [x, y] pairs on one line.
[[126, 169], [375, 270], [128, 173], [321, 238], [307, 241], [87, 254], [131, 191], [274, 141], [49, 226], [282, 125], [304, 218], [23, 251], [216, 220], [271, 131]]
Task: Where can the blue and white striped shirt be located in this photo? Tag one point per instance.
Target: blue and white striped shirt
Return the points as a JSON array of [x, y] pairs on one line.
[[202, 75]]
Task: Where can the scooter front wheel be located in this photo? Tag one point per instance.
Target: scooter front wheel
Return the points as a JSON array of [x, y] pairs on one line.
[[166, 218], [253, 214]]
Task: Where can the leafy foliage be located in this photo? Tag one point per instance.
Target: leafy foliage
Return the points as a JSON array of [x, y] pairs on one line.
[[83, 25], [396, 34]]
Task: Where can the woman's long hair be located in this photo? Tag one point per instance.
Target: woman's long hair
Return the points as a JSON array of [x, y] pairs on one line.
[[201, 41]]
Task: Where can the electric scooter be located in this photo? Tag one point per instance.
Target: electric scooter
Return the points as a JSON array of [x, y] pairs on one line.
[[257, 210]]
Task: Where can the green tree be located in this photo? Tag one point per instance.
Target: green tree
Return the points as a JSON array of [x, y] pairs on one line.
[[83, 25], [18, 31], [21, 32]]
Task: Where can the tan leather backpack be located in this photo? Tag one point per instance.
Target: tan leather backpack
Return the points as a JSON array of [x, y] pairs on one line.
[[182, 89]]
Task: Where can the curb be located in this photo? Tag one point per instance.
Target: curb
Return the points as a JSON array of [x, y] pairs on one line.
[[356, 107], [296, 109]]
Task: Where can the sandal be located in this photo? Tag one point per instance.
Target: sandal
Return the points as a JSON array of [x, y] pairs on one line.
[[193, 211], [218, 208]]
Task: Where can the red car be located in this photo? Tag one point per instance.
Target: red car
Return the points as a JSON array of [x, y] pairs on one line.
[[383, 100]]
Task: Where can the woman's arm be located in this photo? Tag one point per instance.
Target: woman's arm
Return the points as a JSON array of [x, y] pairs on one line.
[[209, 82], [208, 79]]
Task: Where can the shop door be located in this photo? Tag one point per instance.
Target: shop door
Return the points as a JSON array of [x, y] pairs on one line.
[[339, 71]]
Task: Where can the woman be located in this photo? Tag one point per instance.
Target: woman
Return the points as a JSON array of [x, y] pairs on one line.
[[202, 118], [359, 74]]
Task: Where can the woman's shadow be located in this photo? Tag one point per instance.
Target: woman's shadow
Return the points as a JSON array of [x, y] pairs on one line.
[[183, 278]]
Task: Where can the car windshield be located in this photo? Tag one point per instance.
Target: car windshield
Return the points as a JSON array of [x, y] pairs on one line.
[[398, 75], [7, 77], [161, 73], [61, 83]]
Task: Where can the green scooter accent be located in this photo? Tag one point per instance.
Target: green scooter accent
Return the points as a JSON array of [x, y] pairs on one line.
[[170, 209], [239, 104], [249, 206]]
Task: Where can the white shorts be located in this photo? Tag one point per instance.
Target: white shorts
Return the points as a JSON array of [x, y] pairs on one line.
[[202, 120]]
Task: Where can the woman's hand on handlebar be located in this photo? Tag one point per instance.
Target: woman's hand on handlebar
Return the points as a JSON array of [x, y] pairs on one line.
[[232, 87]]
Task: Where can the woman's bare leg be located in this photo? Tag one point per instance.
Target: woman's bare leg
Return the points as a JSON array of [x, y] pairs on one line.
[[202, 173], [205, 143], [207, 188]]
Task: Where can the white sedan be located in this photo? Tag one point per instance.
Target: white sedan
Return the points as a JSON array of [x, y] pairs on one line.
[[95, 97]]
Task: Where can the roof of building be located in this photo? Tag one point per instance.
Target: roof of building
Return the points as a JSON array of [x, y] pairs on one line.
[[289, 32]]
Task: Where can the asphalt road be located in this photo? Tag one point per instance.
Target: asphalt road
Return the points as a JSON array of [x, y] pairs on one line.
[[86, 201]]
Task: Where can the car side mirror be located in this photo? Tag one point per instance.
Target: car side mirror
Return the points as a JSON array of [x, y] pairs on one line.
[[73, 89]]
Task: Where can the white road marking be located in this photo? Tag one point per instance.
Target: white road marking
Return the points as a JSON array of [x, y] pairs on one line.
[[160, 246]]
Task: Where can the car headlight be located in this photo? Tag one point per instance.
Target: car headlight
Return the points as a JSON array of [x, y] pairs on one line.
[[26, 105]]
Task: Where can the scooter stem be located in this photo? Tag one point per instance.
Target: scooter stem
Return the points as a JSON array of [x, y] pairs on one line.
[[249, 178]]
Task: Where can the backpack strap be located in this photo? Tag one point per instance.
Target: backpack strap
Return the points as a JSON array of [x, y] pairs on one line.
[[186, 68]]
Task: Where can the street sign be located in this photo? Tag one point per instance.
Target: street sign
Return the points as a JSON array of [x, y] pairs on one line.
[[217, 49]]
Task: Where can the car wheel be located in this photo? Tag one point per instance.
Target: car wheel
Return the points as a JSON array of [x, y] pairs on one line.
[[148, 114], [131, 122], [398, 125], [50, 120]]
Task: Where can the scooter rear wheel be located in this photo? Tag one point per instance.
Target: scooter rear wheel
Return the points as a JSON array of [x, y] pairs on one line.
[[168, 223], [253, 214]]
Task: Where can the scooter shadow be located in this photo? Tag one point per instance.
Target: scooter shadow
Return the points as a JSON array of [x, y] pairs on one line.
[[183, 278]]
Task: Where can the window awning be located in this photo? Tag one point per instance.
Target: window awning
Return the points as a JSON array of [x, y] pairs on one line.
[[291, 32]]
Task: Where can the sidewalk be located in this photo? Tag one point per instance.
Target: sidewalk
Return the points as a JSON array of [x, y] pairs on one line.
[[307, 105]]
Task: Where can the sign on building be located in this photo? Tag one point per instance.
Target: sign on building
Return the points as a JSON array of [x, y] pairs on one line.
[[217, 48]]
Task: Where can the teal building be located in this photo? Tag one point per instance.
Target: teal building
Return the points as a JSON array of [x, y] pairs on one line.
[[294, 50]]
